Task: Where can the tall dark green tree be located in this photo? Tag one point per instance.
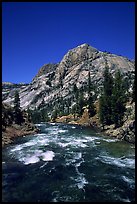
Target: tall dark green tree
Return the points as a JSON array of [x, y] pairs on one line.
[[18, 116], [29, 113], [102, 110], [91, 107], [43, 115], [80, 103], [54, 114], [105, 105], [90, 101], [89, 83], [76, 91], [118, 99], [35, 115]]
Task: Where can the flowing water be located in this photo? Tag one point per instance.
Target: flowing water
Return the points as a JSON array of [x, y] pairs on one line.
[[68, 163]]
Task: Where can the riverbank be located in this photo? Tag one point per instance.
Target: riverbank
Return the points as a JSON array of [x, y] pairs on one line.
[[13, 131], [125, 132]]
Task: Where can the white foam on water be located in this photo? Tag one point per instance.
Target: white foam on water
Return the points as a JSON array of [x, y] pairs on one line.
[[79, 155], [42, 141], [17, 148], [97, 142], [126, 162], [110, 140], [43, 165], [126, 179], [41, 134], [52, 123], [78, 143], [30, 160], [76, 160], [38, 152], [90, 139], [47, 156], [30, 143], [64, 144], [81, 181], [34, 157], [38, 125], [125, 200], [62, 131], [82, 145], [73, 127]]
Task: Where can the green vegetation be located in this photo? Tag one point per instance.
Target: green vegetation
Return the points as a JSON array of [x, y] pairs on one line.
[[105, 107], [7, 116], [37, 115], [90, 100], [18, 116], [118, 99], [113, 99]]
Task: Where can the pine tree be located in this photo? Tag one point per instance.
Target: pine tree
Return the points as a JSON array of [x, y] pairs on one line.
[[29, 112], [90, 101], [118, 99], [89, 83], [36, 115], [44, 115], [54, 114], [108, 82], [102, 110], [105, 105], [91, 107], [76, 92], [80, 103], [18, 116], [74, 110]]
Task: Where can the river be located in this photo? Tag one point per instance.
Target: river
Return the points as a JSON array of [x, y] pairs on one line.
[[68, 163]]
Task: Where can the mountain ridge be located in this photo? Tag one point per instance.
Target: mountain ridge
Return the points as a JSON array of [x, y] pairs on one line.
[[56, 80]]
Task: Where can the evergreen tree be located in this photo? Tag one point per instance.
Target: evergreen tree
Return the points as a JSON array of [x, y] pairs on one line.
[[102, 110], [74, 110], [126, 86], [80, 103], [29, 114], [89, 83], [61, 104], [90, 101], [76, 92], [105, 105], [54, 114], [18, 116], [108, 82], [91, 107], [43, 115], [118, 99], [36, 116]]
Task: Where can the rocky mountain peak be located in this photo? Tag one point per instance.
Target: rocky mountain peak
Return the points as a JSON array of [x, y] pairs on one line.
[[46, 68], [79, 54], [54, 81]]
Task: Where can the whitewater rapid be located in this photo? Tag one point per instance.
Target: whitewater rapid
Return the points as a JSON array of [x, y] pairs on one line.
[[84, 154]]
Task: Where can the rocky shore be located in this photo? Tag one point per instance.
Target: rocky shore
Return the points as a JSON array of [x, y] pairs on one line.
[[125, 132], [11, 132]]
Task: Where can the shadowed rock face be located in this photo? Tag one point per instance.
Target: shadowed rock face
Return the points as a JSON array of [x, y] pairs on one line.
[[57, 80]]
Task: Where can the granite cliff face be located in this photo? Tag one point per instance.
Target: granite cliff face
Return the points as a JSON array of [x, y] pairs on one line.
[[56, 81]]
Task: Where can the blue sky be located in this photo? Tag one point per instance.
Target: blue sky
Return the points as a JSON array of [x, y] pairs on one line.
[[36, 33]]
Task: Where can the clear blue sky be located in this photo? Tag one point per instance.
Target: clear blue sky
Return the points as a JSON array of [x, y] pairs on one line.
[[36, 33]]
